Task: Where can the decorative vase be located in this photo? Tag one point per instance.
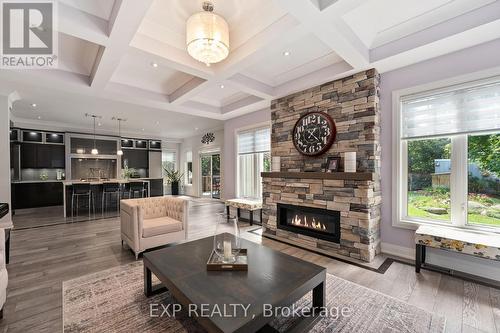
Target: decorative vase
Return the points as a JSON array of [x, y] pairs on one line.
[[227, 242], [175, 188]]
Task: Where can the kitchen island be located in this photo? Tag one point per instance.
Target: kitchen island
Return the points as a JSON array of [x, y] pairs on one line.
[[153, 187]]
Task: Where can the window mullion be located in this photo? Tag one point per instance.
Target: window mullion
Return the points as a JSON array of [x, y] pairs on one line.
[[458, 180]]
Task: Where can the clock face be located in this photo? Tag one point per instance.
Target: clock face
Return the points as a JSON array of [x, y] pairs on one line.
[[314, 133]]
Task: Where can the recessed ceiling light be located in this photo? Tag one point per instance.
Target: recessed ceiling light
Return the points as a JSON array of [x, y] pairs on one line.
[[33, 105], [39, 117], [286, 53], [157, 122], [143, 129], [99, 124], [154, 64], [196, 128], [222, 86]]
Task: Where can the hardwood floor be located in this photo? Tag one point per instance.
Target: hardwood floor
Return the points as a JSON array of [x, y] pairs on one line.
[[41, 258]]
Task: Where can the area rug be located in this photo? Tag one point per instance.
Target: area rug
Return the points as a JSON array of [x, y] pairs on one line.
[[113, 301]]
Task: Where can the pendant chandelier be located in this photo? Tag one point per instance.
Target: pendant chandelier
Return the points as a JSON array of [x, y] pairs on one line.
[[119, 120], [94, 150], [207, 36]]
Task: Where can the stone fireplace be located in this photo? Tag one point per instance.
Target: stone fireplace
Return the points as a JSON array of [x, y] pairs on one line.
[[333, 213]]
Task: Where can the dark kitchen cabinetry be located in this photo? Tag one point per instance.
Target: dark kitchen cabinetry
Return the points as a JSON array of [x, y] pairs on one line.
[[155, 145], [28, 156], [135, 158], [126, 143], [30, 136], [40, 156], [31, 195], [14, 134], [142, 144], [54, 138]]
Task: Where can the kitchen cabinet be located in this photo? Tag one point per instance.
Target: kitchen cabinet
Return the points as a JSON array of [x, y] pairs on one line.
[[38, 194], [54, 138], [14, 134], [142, 144], [154, 145], [135, 158], [127, 143], [28, 156], [42, 156], [30, 136]]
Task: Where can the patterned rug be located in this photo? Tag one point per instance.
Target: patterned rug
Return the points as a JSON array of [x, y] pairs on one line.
[[113, 301]]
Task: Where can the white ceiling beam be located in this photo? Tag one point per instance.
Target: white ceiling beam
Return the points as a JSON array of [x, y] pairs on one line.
[[170, 56], [182, 94], [251, 86], [244, 102], [332, 31], [283, 31], [469, 38], [79, 24], [126, 18], [488, 14]]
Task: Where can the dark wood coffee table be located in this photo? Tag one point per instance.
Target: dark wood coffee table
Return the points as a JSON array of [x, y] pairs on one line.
[[273, 278]]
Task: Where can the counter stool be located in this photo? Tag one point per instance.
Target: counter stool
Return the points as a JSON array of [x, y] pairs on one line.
[[108, 190], [82, 190], [137, 187]]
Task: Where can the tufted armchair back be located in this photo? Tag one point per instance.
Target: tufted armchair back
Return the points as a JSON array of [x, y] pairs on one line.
[[155, 207]]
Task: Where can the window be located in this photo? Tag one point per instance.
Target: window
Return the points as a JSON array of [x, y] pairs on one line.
[[168, 160], [254, 157], [189, 168], [447, 157]]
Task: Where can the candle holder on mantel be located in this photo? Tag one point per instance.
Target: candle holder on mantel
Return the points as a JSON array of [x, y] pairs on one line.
[[227, 242]]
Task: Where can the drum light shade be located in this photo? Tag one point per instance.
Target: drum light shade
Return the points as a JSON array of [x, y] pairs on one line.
[[207, 36]]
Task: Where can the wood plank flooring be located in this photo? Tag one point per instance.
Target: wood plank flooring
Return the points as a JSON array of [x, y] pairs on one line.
[[41, 258]]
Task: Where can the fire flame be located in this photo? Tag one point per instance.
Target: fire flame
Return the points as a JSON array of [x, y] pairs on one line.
[[298, 221]]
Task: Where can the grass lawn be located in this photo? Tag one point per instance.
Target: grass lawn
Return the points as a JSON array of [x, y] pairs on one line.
[[483, 209]]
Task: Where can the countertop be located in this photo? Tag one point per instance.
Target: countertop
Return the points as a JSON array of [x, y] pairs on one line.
[[36, 181], [100, 182]]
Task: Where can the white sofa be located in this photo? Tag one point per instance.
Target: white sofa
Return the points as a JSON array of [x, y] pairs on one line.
[[3, 272], [151, 222]]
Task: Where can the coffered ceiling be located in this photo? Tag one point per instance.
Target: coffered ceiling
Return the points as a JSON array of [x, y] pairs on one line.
[[133, 52]]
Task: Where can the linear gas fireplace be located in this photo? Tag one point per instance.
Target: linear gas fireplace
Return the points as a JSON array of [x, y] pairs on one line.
[[314, 222]]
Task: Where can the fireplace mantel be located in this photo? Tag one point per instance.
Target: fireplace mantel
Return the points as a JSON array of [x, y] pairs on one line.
[[363, 176]]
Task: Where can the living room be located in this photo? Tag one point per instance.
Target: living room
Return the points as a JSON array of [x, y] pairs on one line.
[[243, 166]]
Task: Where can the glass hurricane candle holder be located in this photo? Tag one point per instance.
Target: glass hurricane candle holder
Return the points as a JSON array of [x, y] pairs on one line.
[[227, 241]]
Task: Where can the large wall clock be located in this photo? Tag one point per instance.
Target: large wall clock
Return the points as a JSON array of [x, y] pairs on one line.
[[314, 133]]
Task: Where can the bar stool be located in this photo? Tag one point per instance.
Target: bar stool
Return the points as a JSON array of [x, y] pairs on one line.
[[82, 190], [108, 190], [137, 187]]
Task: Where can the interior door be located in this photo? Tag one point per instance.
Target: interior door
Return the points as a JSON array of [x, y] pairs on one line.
[[206, 176], [216, 176]]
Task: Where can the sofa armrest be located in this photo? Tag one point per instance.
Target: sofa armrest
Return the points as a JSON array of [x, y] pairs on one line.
[[131, 220]]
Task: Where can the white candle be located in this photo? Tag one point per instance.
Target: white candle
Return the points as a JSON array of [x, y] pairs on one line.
[[227, 249], [350, 161]]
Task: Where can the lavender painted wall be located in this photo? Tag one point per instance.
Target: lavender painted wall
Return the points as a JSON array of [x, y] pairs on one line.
[[462, 62], [230, 127]]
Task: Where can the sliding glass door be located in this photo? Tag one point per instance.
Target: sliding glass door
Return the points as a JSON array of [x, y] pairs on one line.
[[210, 175]]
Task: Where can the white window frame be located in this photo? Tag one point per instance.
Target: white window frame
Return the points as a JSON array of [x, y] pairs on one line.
[[186, 175], [459, 160], [266, 124]]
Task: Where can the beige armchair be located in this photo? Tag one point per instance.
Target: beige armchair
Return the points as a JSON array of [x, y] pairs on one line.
[[151, 222]]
